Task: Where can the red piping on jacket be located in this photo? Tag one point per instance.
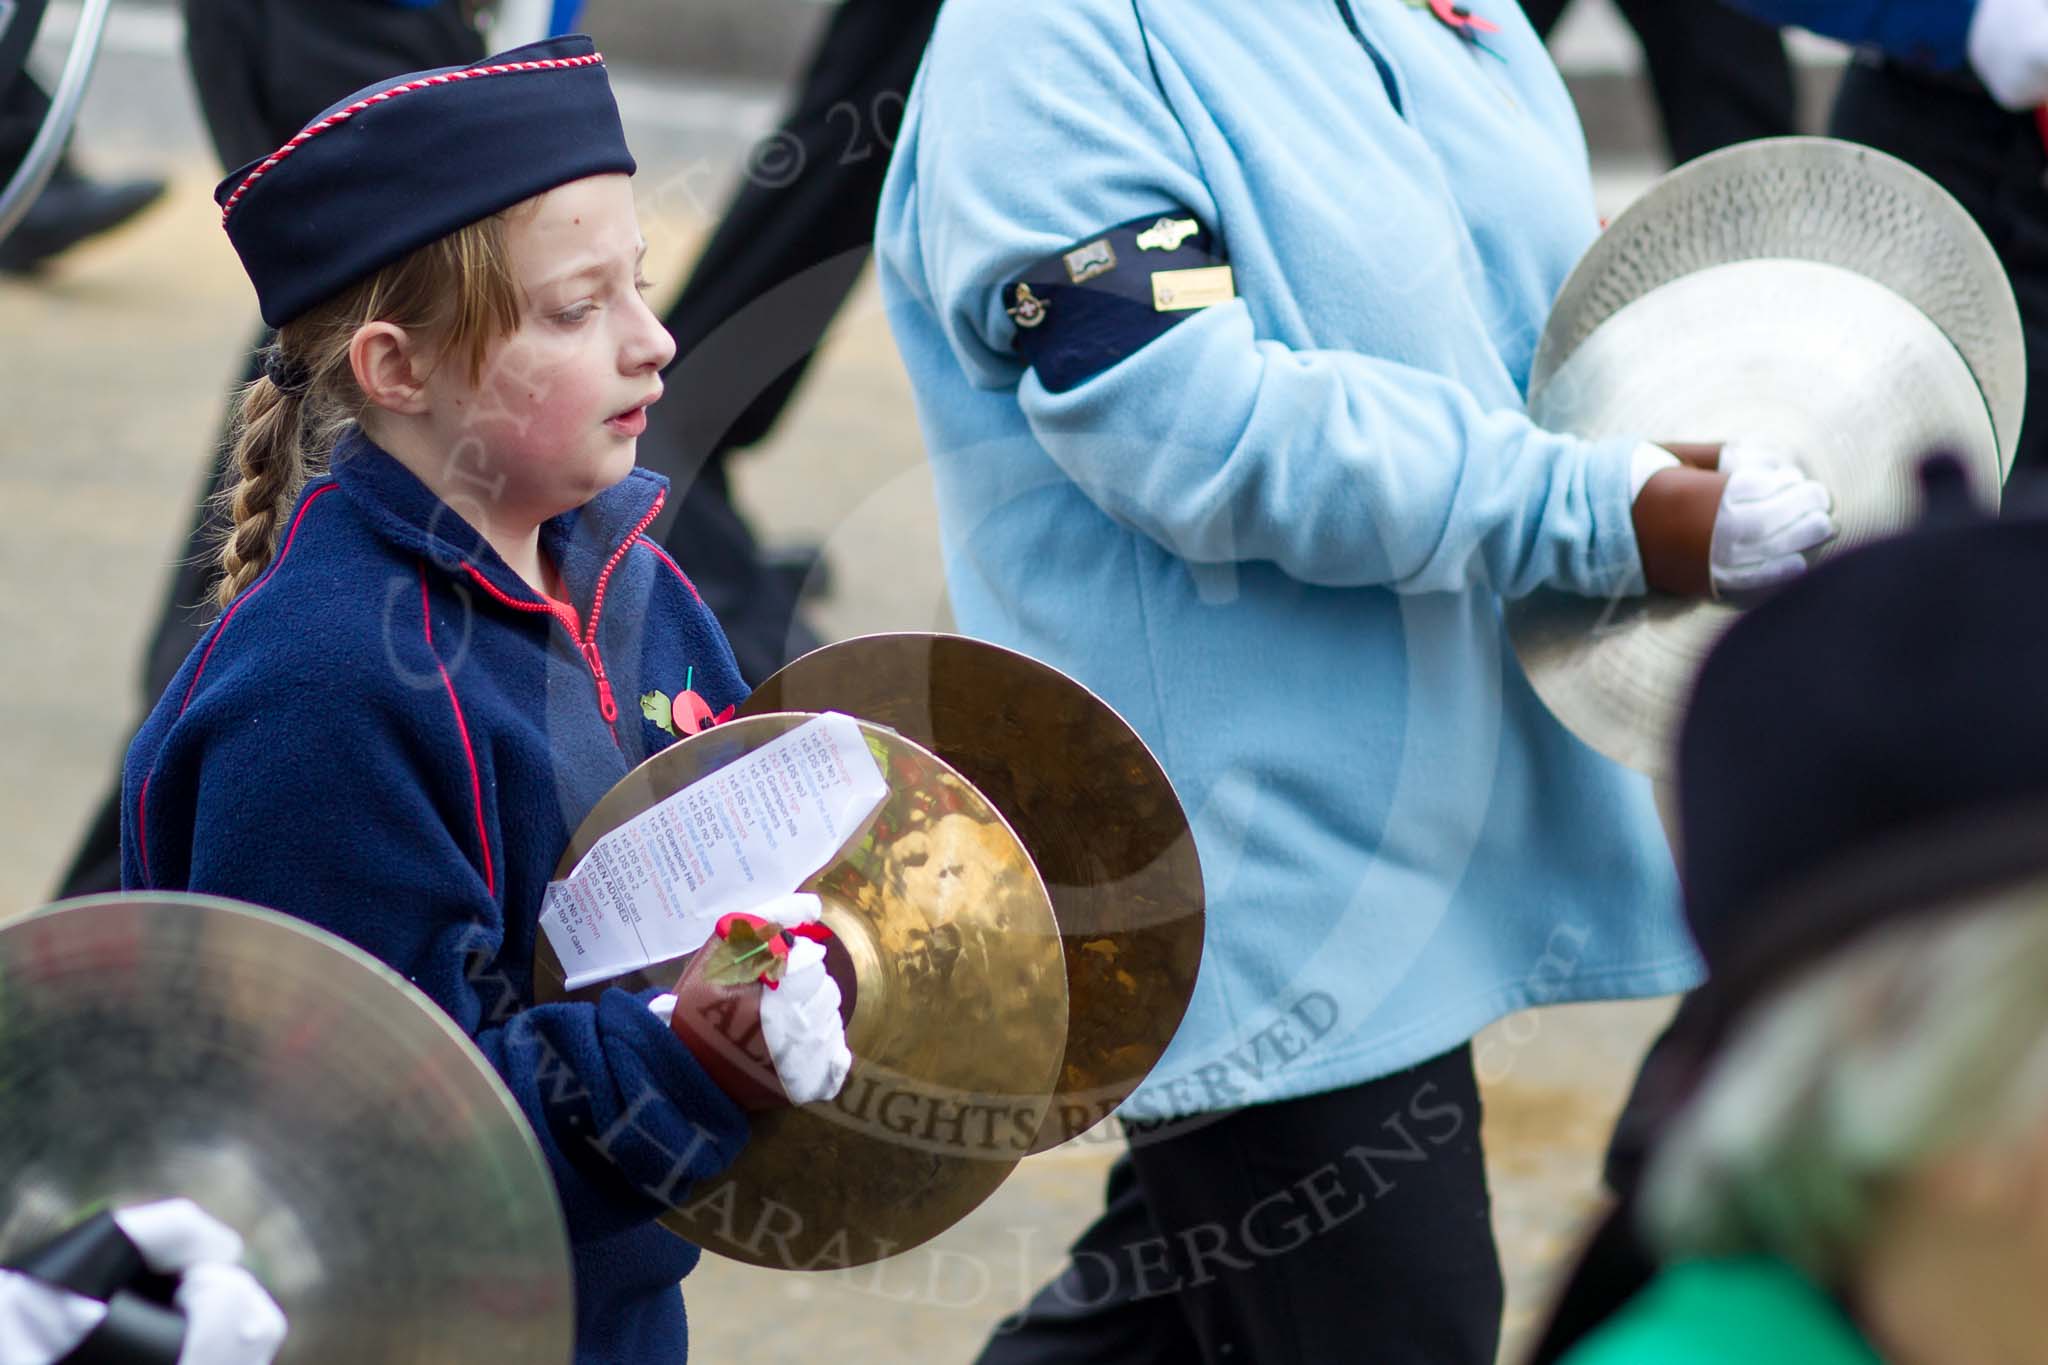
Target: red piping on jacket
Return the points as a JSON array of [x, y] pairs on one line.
[[253, 589], [677, 569], [586, 640], [142, 825], [142, 797], [476, 786]]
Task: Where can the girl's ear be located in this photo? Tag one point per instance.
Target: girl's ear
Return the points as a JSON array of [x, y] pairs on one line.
[[389, 368]]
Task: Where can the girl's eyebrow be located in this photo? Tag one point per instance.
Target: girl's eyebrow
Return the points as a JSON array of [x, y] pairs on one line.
[[594, 268]]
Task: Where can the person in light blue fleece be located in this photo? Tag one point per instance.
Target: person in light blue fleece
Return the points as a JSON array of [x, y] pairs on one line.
[[1219, 320]]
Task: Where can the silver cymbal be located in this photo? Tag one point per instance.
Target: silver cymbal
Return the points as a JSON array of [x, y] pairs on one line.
[[1835, 371], [1811, 199], [390, 1195]]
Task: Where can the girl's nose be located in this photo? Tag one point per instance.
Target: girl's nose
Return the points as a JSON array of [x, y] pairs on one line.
[[649, 347]]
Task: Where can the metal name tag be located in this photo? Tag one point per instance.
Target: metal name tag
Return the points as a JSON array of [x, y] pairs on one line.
[[1179, 291]]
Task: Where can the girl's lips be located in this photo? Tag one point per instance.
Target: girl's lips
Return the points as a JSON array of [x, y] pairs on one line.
[[629, 423]]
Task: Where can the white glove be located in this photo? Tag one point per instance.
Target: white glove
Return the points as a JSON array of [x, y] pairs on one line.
[[800, 1020], [40, 1323], [1649, 460], [800, 1017], [174, 1235], [799, 907], [229, 1320], [2009, 48], [1737, 456], [1770, 515]]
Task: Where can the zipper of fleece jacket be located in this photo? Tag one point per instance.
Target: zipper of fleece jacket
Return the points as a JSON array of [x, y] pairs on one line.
[[586, 640], [1380, 63]]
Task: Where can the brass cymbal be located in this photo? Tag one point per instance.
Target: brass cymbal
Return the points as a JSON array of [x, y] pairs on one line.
[[389, 1193], [1822, 364], [1808, 199], [959, 1017], [1091, 804]]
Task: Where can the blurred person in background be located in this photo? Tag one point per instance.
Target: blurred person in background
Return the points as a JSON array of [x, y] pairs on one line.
[[1861, 1175], [1720, 77], [1844, 1148], [71, 207], [789, 248]]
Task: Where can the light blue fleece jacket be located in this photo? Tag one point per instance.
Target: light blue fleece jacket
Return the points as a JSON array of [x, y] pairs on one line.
[[1277, 538]]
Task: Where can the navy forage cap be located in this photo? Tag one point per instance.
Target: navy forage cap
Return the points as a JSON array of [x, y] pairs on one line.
[[1892, 700], [409, 160]]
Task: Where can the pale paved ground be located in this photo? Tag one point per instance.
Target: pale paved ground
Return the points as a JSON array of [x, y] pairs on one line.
[[111, 371]]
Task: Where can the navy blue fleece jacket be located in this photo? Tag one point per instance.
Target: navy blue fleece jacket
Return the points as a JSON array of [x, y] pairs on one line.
[[391, 736]]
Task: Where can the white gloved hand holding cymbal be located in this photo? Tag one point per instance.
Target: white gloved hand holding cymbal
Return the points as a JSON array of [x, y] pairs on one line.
[[1725, 521], [228, 1318], [798, 1052]]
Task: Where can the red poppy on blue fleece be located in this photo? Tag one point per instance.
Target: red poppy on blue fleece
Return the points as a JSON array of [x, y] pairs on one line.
[[1461, 19]]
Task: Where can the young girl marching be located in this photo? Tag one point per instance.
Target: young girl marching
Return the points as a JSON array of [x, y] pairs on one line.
[[441, 607]]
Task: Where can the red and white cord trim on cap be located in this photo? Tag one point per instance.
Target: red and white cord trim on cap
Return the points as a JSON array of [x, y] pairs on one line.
[[341, 116]]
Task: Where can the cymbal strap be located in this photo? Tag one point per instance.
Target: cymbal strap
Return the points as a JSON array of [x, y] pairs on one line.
[[96, 1260]]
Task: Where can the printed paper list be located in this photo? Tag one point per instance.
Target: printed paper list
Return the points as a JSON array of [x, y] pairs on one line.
[[757, 829]]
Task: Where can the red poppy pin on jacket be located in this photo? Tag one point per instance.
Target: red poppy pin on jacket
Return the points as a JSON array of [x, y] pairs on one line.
[[1460, 19], [685, 714]]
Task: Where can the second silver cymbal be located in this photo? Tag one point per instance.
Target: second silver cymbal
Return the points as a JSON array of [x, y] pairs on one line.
[[389, 1193], [1820, 363], [1810, 199]]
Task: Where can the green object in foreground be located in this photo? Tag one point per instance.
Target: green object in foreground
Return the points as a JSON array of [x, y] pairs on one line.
[[1754, 1311]]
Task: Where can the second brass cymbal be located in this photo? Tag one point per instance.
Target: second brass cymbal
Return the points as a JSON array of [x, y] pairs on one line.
[[959, 1017], [1091, 804]]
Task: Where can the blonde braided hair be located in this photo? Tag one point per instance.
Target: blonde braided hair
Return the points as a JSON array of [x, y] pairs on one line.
[[457, 293]]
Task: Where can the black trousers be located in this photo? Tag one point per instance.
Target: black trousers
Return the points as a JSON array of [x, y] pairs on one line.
[[1993, 162], [796, 234], [22, 102], [786, 253], [1351, 1226], [1720, 77], [264, 68], [778, 268], [23, 107]]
